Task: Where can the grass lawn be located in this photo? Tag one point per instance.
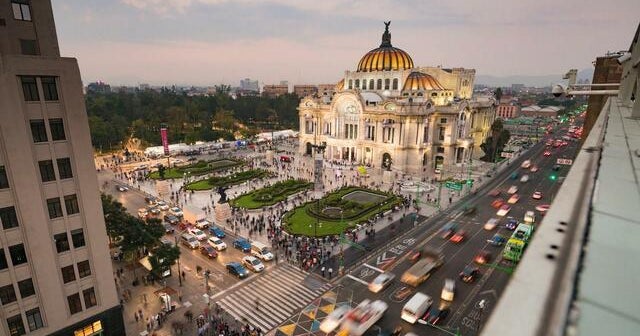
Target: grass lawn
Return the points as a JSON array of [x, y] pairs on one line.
[[196, 169], [225, 181], [270, 195], [302, 220]]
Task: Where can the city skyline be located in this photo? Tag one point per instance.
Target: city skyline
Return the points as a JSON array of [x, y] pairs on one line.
[[196, 42]]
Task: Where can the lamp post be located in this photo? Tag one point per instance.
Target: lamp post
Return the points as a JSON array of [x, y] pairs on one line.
[[179, 269], [481, 305]]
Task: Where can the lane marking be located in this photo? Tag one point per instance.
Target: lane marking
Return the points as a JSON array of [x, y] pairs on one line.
[[357, 279], [373, 268]]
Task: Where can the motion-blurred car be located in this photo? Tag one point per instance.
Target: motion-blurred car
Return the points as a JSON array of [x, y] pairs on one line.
[[513, 199], [511, 223], [497, 240], [448, 290], [482, 257], [469, 273], [512, 190], [534, 169], [242, 245], [504, 210], [381, 282], [436, 315], [529, 217], [494, 193], [547, 153], [543, 208], [491, 224], [458, 237], [235, 268], [253, 263], [333, 320], [448, 229], [537, 195], [497, 203], [208, 251]]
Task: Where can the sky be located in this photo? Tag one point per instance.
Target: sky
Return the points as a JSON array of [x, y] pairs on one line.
[[209, 42]]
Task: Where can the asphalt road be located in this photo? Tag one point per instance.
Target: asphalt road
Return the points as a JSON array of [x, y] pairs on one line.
[[465, 315]]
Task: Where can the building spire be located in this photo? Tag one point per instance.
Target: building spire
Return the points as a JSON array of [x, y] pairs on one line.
[[386, 36]]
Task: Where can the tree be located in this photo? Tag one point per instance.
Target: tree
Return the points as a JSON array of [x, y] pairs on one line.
[[115, 217], [495, 142], [498, 94], [161, 171], [162, 258]]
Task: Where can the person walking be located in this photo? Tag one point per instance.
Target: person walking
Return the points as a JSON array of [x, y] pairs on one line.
[[330, 272]]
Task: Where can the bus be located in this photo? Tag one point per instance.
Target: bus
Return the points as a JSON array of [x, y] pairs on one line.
[[515, 246]]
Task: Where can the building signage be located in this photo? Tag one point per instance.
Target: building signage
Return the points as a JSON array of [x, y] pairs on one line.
[[165, 140], [567, 162]]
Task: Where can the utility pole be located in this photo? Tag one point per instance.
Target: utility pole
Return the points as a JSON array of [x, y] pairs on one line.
[[179, 269]]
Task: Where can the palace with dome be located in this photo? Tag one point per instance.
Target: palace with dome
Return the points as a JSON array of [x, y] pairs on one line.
[[393, 115]]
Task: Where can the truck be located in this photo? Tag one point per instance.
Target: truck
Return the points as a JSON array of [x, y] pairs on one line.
[[421, 270]]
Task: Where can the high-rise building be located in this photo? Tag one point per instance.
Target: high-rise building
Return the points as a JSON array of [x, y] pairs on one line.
[[249, 85], [56, 276]]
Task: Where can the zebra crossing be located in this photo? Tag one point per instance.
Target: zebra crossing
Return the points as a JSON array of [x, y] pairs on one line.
[[281, 292]]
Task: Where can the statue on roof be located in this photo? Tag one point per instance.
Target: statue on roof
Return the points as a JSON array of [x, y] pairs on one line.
[[386, 36]]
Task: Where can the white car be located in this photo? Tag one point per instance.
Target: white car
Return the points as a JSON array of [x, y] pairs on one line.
[[491, 224], [217, 243], [537, 195], [162, 205], [198, 233], [202, 223], [333, 320], [529, 217], [362, 317], [526, 164], [524, 178], [504, 210], [512, 190], [121, 188], [513, 199], [381, 282], [142, 213], [253, 263], [449, 289], [176, 212]]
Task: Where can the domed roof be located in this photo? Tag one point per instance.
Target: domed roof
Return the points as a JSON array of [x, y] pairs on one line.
[[418, 81], [386, 57]]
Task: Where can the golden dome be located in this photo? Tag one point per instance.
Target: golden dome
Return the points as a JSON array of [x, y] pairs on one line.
[[418, 81], [386, 57]]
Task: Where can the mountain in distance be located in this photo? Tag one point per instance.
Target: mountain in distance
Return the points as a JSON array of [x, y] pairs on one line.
[[535, 81]]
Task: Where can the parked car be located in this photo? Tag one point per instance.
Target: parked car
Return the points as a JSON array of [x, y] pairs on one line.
[[208, 251], [253, 263], [171, 219], [216, 231], [235, 268], [242, 245], [142, 213], [217, 243]]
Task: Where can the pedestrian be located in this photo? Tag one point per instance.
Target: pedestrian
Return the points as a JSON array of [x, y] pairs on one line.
[[330, 272], [135, 315], [322, 271]]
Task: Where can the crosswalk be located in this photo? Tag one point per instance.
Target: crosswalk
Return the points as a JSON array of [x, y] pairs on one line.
[[281, 292]]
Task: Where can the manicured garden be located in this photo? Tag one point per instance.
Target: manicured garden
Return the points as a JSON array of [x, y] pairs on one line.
[[270, 195], [196, 169], [229, 180], [338, 211]]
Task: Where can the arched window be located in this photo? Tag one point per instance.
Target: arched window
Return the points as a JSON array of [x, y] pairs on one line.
[[350, 84], [371, 84], [357, 83], [379, 84], [386, 83], [395, 83], [364, 84]]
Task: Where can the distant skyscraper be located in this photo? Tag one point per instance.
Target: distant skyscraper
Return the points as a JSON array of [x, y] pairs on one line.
[[56, 276], [248, 85], [99, 87]]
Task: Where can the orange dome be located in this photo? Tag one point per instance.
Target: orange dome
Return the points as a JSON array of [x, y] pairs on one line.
[[386, 57], [418, 81]]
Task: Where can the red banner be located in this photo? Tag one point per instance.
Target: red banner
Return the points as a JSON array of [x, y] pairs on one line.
[[165, 141]]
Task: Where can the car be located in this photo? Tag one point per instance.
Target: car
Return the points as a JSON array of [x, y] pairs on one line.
[[534, 169], [513, 199], [449, 290], [197, 233], [526, 164], [216, 231], [178, 161], [235, 268], [176, 212], [208, 251], [514, 176], [524, 179], [217, 243], [381, 282], [168, 228], [504, 210], [512, 190], [167, 241], [171, 219], [151, 200], [253, 263], [334, 319], [154, 211], [511, 223], [497, 240], [142, 213], [529, 217], [435, 315], [121, 188], [547, 153], [162, 205], [202, 223], [497, 203], [192, 158], [555, 167], [491, 224], [458, 237], [543, 208], [536, 195], [469, 273], [448, 229], [482, 257], [494, 193], [242, 245]]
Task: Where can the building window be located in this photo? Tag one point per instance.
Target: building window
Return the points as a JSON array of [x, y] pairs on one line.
[[371, 84], [8, 217], [364, 84], [386, 84], [425, 134], [29, 47], [64, 168], [26, 288], [441, 132], [443, 120], [357, 83], [34, 319], [62, 242], [38, 130], [49, 88], [4, 181], [77, 236], [440, 150], [3, 260], [75, 306], [89, 297], [18, 255], [379, 84], [395, 83], [55, 208], [7, 294], [57, 129], [16, 326], [30, 88], [46, 171], [71, 204], [350, 84], [84, 269], [21, 11], [68, 274]]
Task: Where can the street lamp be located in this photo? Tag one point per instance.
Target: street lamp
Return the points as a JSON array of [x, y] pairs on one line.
[[179, 269], [481, 305]]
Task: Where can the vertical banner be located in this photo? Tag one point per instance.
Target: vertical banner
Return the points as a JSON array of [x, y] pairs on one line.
[[317, 171], [165, 141]]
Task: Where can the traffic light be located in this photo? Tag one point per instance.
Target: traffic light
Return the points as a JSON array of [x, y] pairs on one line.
[[553, 177]]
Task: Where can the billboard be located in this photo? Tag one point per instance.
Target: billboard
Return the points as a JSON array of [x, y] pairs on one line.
[[165, 140]]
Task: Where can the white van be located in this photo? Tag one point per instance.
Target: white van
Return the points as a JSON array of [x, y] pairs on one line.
[[261, 251], [416, 307]]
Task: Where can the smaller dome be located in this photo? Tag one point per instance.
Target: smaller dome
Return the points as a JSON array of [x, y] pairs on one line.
[[418, 81]]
